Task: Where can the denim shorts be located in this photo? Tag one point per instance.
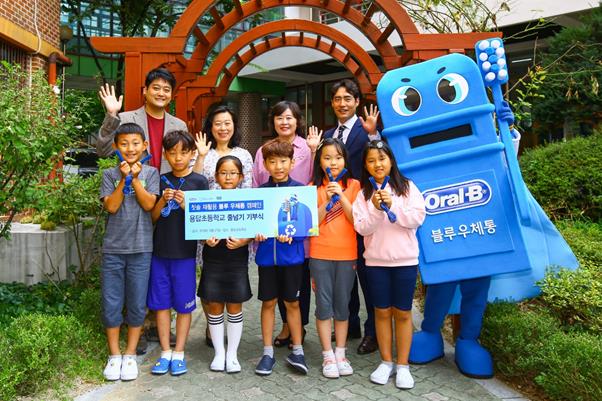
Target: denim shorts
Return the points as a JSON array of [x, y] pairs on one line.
[[392, 286], [124, 282]]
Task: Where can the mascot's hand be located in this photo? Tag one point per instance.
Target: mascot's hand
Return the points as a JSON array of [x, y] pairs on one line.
[[505, 113]]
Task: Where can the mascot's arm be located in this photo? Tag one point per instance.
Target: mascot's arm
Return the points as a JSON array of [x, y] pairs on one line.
[[410, 209], [366, 218]]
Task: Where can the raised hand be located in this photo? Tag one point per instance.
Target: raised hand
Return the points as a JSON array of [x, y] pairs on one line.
[[370, 119], [202, 146], [108, 99], [314, 136]]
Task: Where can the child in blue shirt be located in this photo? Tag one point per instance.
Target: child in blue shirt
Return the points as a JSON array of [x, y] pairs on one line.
[[280, 262]]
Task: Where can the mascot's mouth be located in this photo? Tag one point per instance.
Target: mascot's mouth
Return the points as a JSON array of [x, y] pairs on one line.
[[440, 136]]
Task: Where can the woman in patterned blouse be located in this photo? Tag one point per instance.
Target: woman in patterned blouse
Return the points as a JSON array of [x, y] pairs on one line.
[[220, 137]]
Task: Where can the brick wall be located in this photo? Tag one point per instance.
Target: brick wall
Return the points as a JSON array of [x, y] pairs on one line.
[[21, 12]]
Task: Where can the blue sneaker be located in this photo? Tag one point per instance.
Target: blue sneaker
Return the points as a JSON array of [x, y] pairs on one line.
[[161, 366], [178, 367], [297, 362], [265, 365]]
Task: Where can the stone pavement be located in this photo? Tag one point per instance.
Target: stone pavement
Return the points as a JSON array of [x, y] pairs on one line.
[[437, 381]]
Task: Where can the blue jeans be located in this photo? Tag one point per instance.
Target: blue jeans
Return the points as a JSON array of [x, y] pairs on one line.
[[124, 281]]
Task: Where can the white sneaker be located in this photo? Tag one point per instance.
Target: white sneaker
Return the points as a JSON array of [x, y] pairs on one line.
[[232, 366], [330, 369], [344, 366], [113, 368], [129, 368], [382, 373], [404, 379], [218, 363]]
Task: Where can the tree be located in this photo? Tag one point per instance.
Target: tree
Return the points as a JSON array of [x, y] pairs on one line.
[[136, 18], [573, 72], [33, 133]]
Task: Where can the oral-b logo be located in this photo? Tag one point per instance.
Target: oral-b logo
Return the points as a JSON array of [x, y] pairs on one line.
[[462, 195]]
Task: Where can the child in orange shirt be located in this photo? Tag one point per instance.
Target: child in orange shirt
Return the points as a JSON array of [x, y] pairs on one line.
[[333, 253]]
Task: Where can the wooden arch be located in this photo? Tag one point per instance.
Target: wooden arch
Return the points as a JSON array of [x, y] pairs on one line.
[[196, 96], [362, 22], [144, 54]]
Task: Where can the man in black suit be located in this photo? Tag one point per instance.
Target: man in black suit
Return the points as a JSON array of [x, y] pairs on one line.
[[355, 132]]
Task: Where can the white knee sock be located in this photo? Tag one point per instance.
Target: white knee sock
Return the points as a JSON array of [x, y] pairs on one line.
[[234, 329], [216, 327]]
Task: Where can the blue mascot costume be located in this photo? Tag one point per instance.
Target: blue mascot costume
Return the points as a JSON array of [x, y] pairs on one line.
[[483, 229]]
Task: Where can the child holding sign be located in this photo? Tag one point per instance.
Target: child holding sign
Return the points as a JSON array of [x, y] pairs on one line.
[[173, 266], [333, 253], [280, 262], [127, 247], [388, 216], [225, 278]]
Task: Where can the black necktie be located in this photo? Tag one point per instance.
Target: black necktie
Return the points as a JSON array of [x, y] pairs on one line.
[[340, 133]]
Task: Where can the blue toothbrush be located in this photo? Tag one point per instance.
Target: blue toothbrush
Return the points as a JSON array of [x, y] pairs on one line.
[[390, 215], [335, 198]]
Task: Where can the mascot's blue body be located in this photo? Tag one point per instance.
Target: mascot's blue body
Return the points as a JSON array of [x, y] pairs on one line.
[[484, 233]]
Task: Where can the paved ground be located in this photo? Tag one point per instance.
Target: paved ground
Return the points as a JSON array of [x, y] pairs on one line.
[[437, 381]]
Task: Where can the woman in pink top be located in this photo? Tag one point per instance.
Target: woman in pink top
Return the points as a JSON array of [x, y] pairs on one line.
[[391, 255], [286, 123]]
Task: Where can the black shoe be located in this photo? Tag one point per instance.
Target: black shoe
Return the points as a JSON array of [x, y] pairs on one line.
[[367, 346], [142, 345]]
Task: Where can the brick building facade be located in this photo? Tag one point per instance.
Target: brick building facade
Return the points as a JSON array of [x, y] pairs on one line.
[[21, 21]]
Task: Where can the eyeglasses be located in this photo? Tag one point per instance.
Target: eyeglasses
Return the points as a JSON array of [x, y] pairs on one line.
[[226, 174]]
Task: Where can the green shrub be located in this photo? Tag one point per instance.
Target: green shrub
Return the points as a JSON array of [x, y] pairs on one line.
[[585, 239], [575, 297], [572, 367], [528, 345], [566, 178], [508, 329], [41, 351], [17, 299]]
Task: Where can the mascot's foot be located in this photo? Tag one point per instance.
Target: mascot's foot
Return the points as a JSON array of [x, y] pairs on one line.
[[472, 359], [426, 347]]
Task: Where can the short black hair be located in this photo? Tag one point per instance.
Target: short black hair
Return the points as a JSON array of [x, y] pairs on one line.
[[280, 108], [160, 73], [319, 174], [208, 124], [349, 85], [127, 129], [172, 138]]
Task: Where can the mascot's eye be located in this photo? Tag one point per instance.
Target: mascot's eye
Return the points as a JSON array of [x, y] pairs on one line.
[[406, 101], [452, 88]]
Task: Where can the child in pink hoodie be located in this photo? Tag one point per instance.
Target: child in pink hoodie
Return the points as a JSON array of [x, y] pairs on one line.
[[388, 219]]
